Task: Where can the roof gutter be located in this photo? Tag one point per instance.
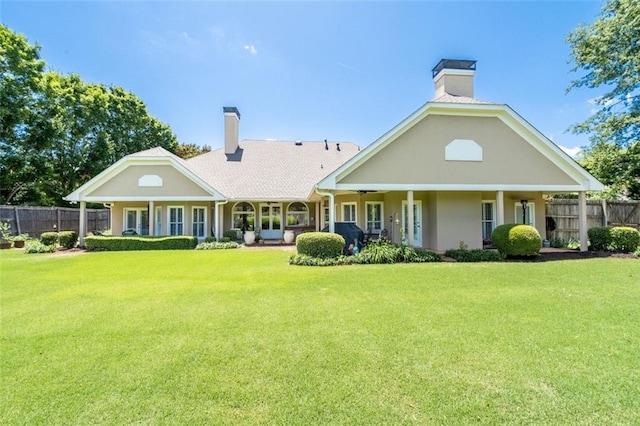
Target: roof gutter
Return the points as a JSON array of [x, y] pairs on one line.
[[332, 213], [216, 219]]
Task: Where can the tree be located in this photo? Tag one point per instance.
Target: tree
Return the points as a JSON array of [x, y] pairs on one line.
[[608, 51], [20, 82], [190, 150], [58, 131]]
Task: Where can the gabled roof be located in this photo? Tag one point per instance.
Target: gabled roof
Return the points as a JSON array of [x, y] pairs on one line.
[[271, 170], [152, 156], [464, 106]]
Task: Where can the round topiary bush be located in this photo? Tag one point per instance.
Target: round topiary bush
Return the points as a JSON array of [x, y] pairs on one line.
[[624, 239], [320, 244], [599, 238], [516, 240]]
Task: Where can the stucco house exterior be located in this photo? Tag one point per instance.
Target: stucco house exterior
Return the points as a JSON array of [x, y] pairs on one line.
[[460, 165]]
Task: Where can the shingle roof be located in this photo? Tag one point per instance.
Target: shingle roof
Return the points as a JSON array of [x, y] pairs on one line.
[[460, 100], [265, 169]]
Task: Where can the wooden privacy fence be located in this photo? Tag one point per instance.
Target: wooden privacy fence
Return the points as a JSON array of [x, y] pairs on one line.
[[36, 220], [564, 215]]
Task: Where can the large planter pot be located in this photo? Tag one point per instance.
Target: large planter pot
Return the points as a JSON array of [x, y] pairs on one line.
[[289, 236], [249, 237], [5, 245], [18, 244]]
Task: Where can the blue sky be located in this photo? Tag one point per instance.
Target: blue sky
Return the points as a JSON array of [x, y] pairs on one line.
[[312, 70]]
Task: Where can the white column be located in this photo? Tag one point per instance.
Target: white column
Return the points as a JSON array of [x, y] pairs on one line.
[[152, 217], [318, 215], [499, 208], [410, 218], [216, 221], [582, 220], [332, 213], [83, 222]]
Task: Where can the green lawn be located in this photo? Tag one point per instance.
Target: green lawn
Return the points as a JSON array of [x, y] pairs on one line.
[[240, 337]]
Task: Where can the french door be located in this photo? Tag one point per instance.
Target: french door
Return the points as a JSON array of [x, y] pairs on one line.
[[417, 222], [137, 220], [271, 221]]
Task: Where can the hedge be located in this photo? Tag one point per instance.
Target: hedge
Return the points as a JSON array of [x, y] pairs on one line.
[[475, 255], [599, 238], [320, 244], [180, 242], [621, 239], [49, 238], [516, 240], [68, 239]]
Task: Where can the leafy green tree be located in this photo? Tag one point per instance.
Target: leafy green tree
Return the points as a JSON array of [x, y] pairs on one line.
[[58, 131], [190, 150], [20, 82], [608, 52]]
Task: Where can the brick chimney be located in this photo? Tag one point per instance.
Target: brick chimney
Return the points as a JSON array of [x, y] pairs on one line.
[[231, 129], [454, 77]]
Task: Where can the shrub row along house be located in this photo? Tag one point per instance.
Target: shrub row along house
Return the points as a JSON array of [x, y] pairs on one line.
[[452, 171]]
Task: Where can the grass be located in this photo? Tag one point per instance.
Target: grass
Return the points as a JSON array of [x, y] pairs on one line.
[[240, 337]]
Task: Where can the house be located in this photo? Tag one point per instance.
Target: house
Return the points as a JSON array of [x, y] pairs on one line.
[[450, 172]]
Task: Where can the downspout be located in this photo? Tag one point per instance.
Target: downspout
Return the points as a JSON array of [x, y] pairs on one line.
[[332, 213], [216, 218]]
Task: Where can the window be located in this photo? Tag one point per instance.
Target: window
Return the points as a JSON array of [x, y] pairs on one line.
[[159, 221], [488, 219], [176, 220], [349, 212], [136, 220], [374, 216], [244, 217], [199, 215], [529, 214], [297, 214]]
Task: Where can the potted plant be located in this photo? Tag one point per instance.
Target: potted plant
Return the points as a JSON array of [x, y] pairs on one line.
[[19, 240], [5, 235]]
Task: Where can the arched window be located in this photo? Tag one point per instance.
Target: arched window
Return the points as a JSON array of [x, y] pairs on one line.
[[297, 214], [244, 217]]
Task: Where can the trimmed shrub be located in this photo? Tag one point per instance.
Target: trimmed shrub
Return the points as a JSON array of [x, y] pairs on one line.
[[68, 239], [49, 238], [621, 239], [320, 244], [225, 240], [475, 255], [217, 246], [624, 239], [231, 234], [210, 240], [599, 238], [35, 246], [179, 242], [517, 240]]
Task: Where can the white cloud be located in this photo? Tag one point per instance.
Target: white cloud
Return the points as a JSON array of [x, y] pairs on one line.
[[251, 49], [573, 152]]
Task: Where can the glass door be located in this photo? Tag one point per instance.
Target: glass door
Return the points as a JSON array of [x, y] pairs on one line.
[[271, 221], [417, 222], [137, 220]]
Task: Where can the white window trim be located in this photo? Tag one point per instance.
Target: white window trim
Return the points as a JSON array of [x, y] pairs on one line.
[[532, 214], [169, 219], [158, 221], [366, 214], [493, 213], [308, 212], [255, 214], [355, 211], [125, 210], [204, 228]]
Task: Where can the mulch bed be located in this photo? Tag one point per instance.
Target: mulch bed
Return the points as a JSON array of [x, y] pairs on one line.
[[567, 255]]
